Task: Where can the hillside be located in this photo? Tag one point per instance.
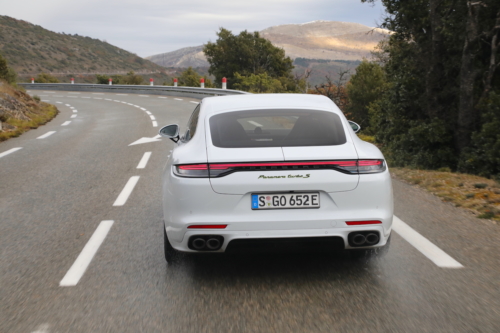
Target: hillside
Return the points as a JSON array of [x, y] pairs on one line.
[[323, 40], [32, 49]]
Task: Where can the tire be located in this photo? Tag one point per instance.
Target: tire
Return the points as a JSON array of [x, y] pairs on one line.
[[170, 253], [368, 254]]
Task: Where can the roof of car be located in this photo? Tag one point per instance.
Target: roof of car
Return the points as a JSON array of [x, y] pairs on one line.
[[259, 101]]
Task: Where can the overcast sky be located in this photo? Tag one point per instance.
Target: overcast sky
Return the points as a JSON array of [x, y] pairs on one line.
[[156, 26]]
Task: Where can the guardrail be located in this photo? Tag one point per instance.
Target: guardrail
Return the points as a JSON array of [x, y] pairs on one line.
[[130, 89]]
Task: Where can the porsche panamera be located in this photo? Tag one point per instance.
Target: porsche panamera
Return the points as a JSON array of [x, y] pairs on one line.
[[273, 171]]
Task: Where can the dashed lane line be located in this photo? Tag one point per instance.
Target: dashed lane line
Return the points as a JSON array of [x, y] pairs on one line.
[[77, 93], [143, 96], [122, 94], [152, 117], [75, 111], [143, 109], [66, 123], [68, 105], [144, 160], [10, 151], [73, 116], [49, 92], [127, 190], [149, 113], [86, 97], [45, 100], [81, 263], [178, 99], [46, 135], [155, 124], [59, 102], [97, 94], [72, 96], [426, 247], [162, 97], [194, 102]]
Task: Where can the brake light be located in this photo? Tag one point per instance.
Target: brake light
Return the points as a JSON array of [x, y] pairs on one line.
[[371, 166], [192, 170], [362, 222], [208, 226]]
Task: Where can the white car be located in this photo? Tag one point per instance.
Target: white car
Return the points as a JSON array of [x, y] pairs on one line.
[[272, 171]]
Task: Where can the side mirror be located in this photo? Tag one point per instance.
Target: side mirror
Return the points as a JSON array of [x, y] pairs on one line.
[[171, 132], [355, 127]]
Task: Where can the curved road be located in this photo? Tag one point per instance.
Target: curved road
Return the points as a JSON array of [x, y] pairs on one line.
[[73, 176]]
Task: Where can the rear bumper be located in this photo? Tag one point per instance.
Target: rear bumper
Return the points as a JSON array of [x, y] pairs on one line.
[[230, 235]]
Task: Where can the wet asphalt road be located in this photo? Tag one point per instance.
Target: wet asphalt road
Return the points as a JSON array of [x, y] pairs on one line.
[[54, 192]]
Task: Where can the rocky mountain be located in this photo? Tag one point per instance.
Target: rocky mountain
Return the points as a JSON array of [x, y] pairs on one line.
[[30, 48], [325, 40]]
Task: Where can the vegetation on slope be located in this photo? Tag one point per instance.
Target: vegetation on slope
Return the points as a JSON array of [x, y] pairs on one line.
[[30, 48], [18, 111]]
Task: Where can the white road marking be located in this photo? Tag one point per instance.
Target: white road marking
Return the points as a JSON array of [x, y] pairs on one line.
[[148, 112], [67, 104], [143, 109], [97, 94], [75, 111], [116, 101], [74, 93], [46, 135], [194, 102], [137, 106], [71, 107], [155, 124], [81, 263], [124, 102], [162, 97], [45, 100], [152, 117], [66, 123], [43, 95], [72, 96], [122, 94], [86, 97], [146, 140], [144, 160], [426, 247], [10, 151], [73, 116], [127, 190], [178, 99], [107, 99], [58, 96], [44, 328], [130, 104], [59, 102], [143, 95], [96, 98], [254, 123]]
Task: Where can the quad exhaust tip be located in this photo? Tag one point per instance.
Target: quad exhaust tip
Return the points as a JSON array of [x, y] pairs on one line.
[[205, 242], [363, 238]]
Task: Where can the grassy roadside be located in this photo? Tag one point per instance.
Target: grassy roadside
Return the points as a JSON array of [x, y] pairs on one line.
[[19, 112], [479, 195], [46, 113]]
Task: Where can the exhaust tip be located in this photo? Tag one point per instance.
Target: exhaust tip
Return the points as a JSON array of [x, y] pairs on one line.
[[358, 239], [372, 239], [199, 243], [213, 244]]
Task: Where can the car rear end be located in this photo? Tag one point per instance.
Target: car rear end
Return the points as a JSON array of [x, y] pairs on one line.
[[278, 177]]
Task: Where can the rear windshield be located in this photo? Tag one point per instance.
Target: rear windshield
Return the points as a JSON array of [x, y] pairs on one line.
[[276, 128]]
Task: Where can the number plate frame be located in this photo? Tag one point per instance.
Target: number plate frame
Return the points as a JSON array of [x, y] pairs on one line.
[[254, 203]]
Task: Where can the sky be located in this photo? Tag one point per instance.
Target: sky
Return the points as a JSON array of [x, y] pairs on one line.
[[157, 26]]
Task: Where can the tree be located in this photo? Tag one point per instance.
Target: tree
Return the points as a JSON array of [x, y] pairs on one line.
[[336, 91], [190, 78], [245, 54], [260, 83], [364, 88], [6, 72], [46, 78], [441, 64]]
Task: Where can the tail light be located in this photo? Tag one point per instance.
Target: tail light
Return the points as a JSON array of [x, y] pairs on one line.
[[223, 169]]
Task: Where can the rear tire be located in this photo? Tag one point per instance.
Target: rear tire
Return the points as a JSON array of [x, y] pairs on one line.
[[367, 254], [170, 253]]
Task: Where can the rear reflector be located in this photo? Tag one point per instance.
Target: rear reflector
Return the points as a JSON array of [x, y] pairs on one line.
[[208, 226], [362, 222]]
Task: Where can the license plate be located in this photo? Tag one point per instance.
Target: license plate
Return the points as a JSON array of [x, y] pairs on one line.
[[285, 200]]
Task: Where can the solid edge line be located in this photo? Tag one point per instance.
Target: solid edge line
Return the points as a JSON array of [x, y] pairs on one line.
[[426, 247], [10, 151], [46, 135], [144, 160], [127, 190], [81, 263]]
